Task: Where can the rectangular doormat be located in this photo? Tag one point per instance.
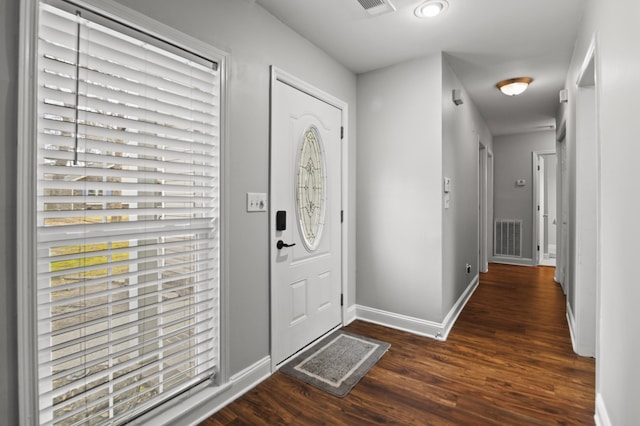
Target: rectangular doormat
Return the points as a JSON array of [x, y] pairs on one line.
[[336, 363]]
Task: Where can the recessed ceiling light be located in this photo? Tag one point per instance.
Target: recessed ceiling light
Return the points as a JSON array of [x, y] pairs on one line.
[[431, 8], [514, 86]]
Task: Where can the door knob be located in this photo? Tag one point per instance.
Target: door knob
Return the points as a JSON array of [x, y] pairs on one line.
[[280, 244]]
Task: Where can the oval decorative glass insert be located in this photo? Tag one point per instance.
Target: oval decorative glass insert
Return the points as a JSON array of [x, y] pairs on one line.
[[310, 194]]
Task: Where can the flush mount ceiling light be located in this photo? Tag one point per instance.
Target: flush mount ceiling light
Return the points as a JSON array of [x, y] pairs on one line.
[[431, 8], [514, 86]]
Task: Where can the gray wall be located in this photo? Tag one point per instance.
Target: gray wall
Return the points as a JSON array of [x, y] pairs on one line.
[[255, 40], [514, 160], [399, 221], [9, 12], [411, 251], [462, 129], [617, 366]]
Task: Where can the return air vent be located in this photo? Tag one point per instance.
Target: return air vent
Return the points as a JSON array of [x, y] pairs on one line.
[[377, 7], [508, 238]]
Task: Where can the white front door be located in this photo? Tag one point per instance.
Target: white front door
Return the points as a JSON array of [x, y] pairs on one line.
[[305, 219]]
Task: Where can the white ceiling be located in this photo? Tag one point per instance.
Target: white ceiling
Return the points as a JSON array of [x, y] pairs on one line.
[[486, 41]]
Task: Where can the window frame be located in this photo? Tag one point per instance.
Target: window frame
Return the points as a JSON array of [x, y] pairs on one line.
[[26, 188]]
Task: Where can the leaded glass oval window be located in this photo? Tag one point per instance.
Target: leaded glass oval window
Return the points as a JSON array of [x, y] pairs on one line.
[[311, 188]]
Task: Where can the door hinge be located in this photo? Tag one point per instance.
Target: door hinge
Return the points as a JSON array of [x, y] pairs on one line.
[[341, 299], [538, 247], [538, 168], [341, 132], [538, 208], [341, 216]]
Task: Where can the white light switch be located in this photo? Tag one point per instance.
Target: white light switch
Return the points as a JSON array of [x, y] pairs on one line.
[[447, 185], [256, 202]]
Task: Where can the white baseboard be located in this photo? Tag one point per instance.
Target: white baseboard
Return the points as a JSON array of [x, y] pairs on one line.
[[571, 321], [601, 417], [350, 315], [455, 311], [198, 405], [421, 327], [400, 322], [519, 261], [579, 346]]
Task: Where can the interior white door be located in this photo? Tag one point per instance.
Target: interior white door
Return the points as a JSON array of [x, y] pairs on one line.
[[305, 219]]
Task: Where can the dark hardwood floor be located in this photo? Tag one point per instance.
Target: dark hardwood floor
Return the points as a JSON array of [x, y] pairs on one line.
[[507, 361]]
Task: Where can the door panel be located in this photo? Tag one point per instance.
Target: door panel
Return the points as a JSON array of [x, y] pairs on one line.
[[306, 183]]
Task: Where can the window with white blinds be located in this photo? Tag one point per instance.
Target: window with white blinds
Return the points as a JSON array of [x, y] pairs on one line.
[[127, 221]]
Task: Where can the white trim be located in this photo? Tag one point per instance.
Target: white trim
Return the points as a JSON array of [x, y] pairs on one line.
[[400, 322], [278, 74], [537, 214], [588, 57], [26, 236], [571, 321], [602, 416], [483, 207], [435, 330], [579, 348], [490, 216], [351, 315], [198, 405], [455, 311], [520, 261]]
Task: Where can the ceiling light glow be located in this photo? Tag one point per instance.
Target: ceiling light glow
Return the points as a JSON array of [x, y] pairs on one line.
[[431, 8], [514, 86]]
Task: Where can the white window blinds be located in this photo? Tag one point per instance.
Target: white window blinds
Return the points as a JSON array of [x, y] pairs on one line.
[[127, 221]]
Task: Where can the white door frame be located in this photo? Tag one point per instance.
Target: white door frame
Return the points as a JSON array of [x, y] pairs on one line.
[[483, 202], [282, 76], [587, 279], [562, 203], [538, 205]]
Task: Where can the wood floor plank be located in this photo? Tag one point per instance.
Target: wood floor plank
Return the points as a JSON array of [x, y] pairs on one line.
[[507, 361]]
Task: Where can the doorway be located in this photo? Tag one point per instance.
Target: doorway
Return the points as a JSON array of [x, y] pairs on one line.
[[306, 227], [545, 166]]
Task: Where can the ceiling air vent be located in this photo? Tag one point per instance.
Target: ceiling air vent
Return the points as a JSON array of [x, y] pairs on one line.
[[377, 7]]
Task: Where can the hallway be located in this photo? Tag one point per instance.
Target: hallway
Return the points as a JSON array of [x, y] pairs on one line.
[[507, 361]]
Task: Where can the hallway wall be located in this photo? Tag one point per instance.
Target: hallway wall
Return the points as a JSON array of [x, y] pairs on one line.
[[615, 26], [412, 252], [462, 128], [514, 160], [399, 245]]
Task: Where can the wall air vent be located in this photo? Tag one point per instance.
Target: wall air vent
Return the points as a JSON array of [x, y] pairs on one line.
[[377, 7], [508, 238]]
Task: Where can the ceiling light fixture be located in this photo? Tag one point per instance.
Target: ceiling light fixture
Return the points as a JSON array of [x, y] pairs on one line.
[[514, 86], [431, 8]]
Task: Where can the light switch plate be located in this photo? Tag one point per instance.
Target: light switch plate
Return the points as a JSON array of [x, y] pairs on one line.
[[256, 202]]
